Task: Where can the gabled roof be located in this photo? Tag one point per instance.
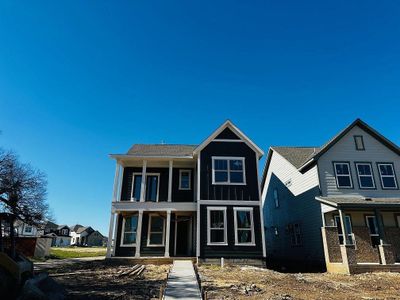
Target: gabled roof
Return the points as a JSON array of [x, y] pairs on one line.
[[297, 156], [51, 225], [161, 150], [75, 227], [62, 226], [82, 229], [240, 134]]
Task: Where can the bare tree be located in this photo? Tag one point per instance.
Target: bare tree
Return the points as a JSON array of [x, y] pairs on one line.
[[22, 190]]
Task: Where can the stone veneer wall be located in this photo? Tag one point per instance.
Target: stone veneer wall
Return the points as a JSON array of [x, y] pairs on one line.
[[393, 238], [365, 252], [332, 240]]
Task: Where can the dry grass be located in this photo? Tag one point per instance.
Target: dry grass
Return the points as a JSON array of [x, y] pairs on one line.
[[74, 252]]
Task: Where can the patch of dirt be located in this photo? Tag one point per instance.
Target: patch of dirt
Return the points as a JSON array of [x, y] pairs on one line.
[[109, 280], [235, 282]]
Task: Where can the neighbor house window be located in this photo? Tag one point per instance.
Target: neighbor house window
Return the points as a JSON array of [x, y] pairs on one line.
[[349, 229], [28, 229], [244, 226], [129, 228], [387, 175], [185, 179], [343, 175], [373, 230], [216, 224], [295, 234], [276, 198], [228, 170], [64, 231], [155, 236], [365, 175], [152, 187], [359, 141]]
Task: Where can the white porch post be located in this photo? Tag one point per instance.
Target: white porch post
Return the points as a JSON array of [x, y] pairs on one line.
[[170, 181], [344, 229], [198, 208], [167, 234], [110, 235], [143, 184], [139, 233], [115, 225], [116, 182]]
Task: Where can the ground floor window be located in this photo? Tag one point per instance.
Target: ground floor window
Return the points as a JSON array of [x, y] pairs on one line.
[[373, 230], [244, 226], [349, 229], [129, 228], [156, 232], [216, 226]]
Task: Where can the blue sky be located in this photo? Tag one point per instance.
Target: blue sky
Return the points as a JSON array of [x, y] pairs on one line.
[[82, 79]]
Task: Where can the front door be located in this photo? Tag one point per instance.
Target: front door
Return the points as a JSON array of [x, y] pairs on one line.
[[183, 236]]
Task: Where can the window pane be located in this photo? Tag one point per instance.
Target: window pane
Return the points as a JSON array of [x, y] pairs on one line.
[[386, 169], [152, 186], [364, 169], [157, 224], [221, 176], [129, 238], [243, 219], [236, 164], [131, 223], [344, 181], [237, 177], [373, 229], [156, 238], [220, 164], [389, 182], [244, 236], [342, 169], [217, 236], [136, 187], [366, 182], [185, 180], [216, 219]]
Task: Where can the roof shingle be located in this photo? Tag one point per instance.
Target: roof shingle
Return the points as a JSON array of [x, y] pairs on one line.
[[297, 156]]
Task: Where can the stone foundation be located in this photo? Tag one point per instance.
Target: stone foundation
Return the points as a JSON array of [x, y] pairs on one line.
[[393, 238], [332, 242], [365, 252]]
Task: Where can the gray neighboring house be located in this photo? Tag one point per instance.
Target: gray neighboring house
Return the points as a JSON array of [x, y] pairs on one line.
[[86, 236], [335, 206]]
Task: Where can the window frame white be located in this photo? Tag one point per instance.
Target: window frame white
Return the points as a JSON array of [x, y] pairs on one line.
[[216, 208], [28, 226], [180, 179], [343, 175], [147, 174], [251, 229], [371, 176], [149, 232], [369, 229], [123, 231], [350, 236], [228, 159], [391, 176]]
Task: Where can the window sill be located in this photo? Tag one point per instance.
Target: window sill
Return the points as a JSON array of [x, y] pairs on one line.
[[181, 189], [161, 245], [217, 244], [229, 183], [251, 244], [127, 245]]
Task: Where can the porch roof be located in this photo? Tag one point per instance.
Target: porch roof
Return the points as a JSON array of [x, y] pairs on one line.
[[360, 202]]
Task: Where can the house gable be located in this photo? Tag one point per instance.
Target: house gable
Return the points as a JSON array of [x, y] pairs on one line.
[[227, 134]]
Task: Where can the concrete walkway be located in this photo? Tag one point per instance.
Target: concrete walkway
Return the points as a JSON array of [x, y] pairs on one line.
[[182, 282]]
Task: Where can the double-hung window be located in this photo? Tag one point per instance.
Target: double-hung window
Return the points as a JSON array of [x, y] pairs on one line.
[[349, 229], [244, 226], [387, 175], [365, 176], [216, 226], [373, 230], [343, 175], [156, 232], [184, 179], [28, 229], [129, 228], [228, 170]]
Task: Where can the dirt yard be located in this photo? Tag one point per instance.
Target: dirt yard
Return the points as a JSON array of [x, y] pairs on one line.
[[255, 283], [106, 280]]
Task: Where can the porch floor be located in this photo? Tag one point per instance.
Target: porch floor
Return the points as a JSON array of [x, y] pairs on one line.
[[152, 260]]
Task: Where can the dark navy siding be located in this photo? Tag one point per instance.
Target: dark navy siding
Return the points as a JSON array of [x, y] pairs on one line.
[[182, 195], [228, 135]]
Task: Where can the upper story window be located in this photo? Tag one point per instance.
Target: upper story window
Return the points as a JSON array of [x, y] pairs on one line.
[[343, 175], [276, 198], [185, 179], [365, 175], [216, 226], [244, 226], [129, 227], [64, 231], [152, 187], [228, 170], [359, 141], [387, 175]]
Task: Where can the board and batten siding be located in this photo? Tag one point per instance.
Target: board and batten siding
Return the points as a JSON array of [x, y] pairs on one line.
[[345, 150]]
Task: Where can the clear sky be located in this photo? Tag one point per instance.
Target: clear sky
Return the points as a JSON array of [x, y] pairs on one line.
[[82, 79]]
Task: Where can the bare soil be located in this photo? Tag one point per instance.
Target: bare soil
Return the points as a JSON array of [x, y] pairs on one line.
[[106, 280], [234, 282]]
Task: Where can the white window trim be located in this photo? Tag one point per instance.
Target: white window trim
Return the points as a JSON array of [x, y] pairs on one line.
[[147, 174], [383, 176], [149, 231], [64, 231], [216, 208], [180, 180], [249, 209], [228, 158], [342, 175], [336, 218], [27, 226], [359, 176], [376, 225], [123, 231]]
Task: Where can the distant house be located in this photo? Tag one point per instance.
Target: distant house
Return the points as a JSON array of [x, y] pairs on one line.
[[85, 236], [59, 234], [25, 230]]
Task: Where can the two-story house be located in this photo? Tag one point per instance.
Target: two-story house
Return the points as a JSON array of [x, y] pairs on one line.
[[337, 205], [189, 200]]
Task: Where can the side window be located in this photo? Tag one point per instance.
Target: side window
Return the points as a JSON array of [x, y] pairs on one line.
[[244, 226], [343, 175], [365, 175], [185, 179], [387, 175], [276, 198]]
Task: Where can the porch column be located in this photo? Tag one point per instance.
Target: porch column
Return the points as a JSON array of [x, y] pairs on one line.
[[386, 250], [344, 229], [115, 224], [170, 181], [110, 235], [167, 233], [116, 182], [139, 233], [143, 184]]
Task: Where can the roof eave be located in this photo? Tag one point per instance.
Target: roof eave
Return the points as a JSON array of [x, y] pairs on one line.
[[130, 156]]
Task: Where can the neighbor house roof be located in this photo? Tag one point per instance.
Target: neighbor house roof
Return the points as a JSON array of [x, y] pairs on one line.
[[75, 227], [62, 226], [82, 229], [160, 150], [356, 202], [297, 156]]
